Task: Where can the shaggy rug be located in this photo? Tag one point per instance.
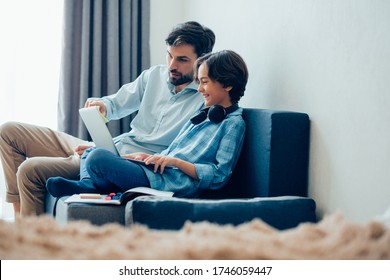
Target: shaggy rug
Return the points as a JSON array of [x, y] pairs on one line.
[[333, 238]]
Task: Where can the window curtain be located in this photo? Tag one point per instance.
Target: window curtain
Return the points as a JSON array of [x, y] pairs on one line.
[[105, 45]]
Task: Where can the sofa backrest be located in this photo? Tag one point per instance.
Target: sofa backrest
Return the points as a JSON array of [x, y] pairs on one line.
[[274, 159]]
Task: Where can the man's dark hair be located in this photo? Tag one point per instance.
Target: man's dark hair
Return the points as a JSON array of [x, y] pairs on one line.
[[228, 68], [194, 34]]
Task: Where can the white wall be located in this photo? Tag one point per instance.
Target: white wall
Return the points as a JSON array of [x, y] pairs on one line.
[[328, 58], [164, 15]]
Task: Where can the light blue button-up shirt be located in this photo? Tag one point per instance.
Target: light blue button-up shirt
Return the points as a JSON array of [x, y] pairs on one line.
[[161, 111], [213, 148]]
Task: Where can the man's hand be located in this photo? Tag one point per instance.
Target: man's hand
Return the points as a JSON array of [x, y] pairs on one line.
[[102, 108], [80, 149]]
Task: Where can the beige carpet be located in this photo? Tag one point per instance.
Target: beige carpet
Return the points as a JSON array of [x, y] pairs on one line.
[[333, 238]]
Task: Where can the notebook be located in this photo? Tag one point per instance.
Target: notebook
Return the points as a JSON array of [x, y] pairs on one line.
[[101, 136]]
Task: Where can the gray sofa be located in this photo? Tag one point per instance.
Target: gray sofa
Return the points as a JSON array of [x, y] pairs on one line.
[[269, 182]]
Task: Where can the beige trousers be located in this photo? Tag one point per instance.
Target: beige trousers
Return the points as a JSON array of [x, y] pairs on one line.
[[30, 155]]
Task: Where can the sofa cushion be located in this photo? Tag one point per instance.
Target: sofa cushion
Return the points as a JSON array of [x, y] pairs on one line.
[[281, 212]]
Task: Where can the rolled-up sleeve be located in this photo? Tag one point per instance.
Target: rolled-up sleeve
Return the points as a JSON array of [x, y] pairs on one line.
[[205, 173]]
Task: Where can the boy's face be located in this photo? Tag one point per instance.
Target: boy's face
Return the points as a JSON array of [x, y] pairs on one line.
[[213, 92], [180, 60]]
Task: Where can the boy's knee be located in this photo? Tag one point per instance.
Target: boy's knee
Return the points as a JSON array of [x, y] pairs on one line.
[[97, 159], [97, 155]]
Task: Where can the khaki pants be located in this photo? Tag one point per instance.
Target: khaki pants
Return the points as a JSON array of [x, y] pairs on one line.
[[30, 155]]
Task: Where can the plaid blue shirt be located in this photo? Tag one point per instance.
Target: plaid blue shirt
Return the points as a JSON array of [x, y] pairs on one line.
[[213, 148]]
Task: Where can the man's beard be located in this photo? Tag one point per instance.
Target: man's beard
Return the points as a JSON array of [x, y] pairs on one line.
[[183, 79]]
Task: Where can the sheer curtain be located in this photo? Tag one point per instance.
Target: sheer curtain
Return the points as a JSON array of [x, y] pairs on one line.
[[30, 53]]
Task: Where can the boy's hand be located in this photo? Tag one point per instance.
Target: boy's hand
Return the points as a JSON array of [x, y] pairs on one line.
[[160, 162]]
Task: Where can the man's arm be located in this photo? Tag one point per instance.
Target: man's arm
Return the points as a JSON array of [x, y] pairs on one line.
[[126, 100]]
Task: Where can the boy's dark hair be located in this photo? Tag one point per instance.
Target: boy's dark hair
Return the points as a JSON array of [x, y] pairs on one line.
[[194, 34], [227, 68]]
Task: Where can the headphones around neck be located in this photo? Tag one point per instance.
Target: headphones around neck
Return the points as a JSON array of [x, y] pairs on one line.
[[215, 113]]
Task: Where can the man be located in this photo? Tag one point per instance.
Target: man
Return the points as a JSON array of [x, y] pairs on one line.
[[164, 96]]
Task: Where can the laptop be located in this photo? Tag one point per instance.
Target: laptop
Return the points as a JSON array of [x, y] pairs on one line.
[[101, 136], [97, 128]]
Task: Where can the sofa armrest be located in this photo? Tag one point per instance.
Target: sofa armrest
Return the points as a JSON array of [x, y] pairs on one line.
[[97, 214]]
